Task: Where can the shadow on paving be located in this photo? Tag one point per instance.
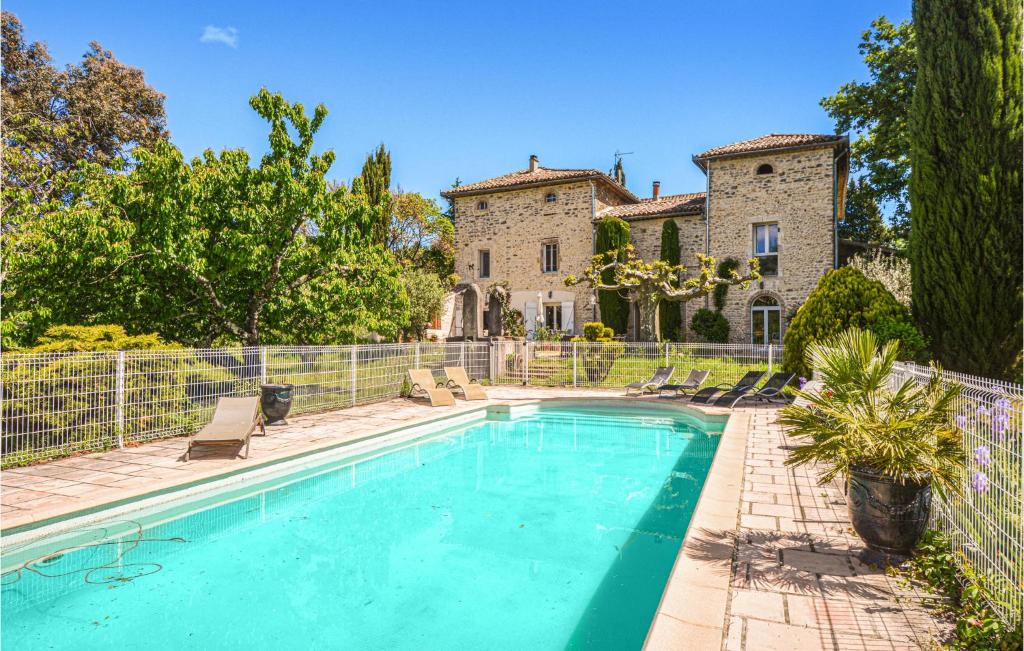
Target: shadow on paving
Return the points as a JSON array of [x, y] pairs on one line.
[[621, 609]]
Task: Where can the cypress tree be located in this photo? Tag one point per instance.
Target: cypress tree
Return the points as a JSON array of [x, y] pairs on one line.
[[669, 317], [965, 187], [375, 183], [612, 233]]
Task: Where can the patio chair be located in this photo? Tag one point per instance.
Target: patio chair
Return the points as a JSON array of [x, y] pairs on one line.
[[458, 379], [424, 385], [234, 421], [746, 383], [772, 389], [692, 383], [661, 376]]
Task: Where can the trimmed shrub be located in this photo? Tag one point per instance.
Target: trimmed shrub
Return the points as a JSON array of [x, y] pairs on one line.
[[670, 320], [845, 298], [710, 325], [725, 269], [597, 331]]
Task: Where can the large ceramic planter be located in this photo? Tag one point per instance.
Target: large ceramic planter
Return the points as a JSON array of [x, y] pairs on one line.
[[888, 516], [276, 401]]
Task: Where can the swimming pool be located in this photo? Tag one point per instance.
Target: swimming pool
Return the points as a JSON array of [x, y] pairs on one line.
[[545, 528]]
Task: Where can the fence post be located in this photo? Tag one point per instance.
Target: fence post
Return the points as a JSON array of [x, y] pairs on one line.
[[492, 362], [354, 360], [574, 364], [769, 359], [119, 399], [462, 354], [263, 364], [417, 364], [526, 363], [666, 353]]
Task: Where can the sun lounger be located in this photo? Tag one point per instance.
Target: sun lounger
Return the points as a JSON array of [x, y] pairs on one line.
[[691, 383], [233, 423], [661, 376], [747, 382], [771, 390], [458, 379], [423, 384]]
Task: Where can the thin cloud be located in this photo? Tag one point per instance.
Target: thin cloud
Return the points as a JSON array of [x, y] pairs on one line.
[[226, 35]]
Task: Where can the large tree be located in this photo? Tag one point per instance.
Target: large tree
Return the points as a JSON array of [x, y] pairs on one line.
[[669, 317], [612, 235], [213, 251], [650, 283], [375, 183], [863, 221], [420, 235], [878, 110], [97, 110], [966, 184]]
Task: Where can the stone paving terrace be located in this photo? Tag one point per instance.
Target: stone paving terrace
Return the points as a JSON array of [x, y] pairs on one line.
[[795, 580]]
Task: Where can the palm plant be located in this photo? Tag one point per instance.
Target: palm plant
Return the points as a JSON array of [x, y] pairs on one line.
[[862, 420]]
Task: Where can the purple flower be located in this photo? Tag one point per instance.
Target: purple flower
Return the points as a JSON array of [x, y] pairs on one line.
[[1003, 403], [961, 421], [982, 456], [979, 482], [1000, 423], [981, 410], [803, 381]]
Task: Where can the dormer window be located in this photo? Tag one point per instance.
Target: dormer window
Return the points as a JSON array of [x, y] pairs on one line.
[[765, 169], [550, 197], [482, 205]]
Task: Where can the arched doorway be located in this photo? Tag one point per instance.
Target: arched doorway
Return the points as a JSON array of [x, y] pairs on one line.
[[765, 321]]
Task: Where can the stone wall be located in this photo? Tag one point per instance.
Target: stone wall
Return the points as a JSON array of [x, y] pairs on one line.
[[797, 196], [514, 226]]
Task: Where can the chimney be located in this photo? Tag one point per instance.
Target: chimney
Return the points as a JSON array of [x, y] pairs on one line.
[[534, 162], [656, 190]]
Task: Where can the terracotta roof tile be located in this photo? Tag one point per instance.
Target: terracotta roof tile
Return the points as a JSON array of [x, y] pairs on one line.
[[772, 141], [539, 176], [672, 204]]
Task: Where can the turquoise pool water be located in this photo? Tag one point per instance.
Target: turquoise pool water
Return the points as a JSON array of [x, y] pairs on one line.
[[554, 530]]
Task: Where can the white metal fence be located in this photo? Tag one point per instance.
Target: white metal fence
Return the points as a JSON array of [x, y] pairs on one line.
[[615, 364], [985, 521]]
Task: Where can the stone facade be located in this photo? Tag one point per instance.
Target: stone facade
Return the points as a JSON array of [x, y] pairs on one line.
[[800, 194]]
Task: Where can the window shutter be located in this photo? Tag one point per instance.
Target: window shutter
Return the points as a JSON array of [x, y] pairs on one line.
[[530, 317], [568, 318]]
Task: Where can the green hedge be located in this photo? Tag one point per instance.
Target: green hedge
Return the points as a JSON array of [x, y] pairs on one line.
[[843, 298]]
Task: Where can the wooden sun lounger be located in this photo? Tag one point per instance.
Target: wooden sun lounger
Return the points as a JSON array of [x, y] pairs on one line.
[[424, 384], [458, 379], [234, 421]]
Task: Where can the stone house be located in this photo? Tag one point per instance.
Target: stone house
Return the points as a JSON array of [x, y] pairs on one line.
[[777, 197]]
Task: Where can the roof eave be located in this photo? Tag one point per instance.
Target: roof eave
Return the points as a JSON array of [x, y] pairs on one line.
[[701, 161], [455, 193]]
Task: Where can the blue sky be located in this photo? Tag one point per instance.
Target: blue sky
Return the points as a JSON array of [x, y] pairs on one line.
[[472, 89]]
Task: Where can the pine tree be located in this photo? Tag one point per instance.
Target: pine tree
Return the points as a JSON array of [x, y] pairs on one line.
[[965, 187], [612, 233], [669, 317]]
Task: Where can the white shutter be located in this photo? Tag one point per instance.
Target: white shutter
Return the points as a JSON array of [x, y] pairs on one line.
[[530, 317], [568, 318]]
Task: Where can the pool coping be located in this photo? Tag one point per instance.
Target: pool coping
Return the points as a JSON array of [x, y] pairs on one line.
[[693, 608]]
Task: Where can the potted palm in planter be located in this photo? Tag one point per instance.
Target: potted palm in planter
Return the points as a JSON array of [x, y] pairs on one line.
[[891, 443]]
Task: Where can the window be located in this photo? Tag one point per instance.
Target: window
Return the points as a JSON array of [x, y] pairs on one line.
[[481, 205], [550, 197], [549, 262], [765, 169], [765, 321], [766, 248], [485, 264], [553, 317]]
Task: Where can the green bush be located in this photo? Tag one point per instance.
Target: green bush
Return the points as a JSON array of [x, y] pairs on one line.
[[67, 338], [597, 331], [612, 234], [710, 326], [845, 298], [725, 269]]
